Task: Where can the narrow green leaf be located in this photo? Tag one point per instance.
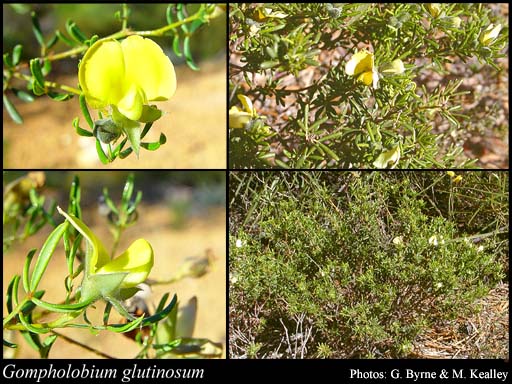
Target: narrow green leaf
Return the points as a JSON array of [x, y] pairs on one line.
[[106, 313], [125, 153], [75, 32], [162, 314], [155, 145], [52, 42], [128, 189], [188, 54], [46, 253], [282, 164], [328, 151], [47, 345], [8, 294], [176, 45], [103, 158], [85, 110], [168, 14], [7, 60], [11, 110], [146, 129], [81, 131], [8, 344], [22, 95], [16, 54], [269, 64], [35, 69], [61, 308], [26, 270], [60, 96], [46, 68], [30, 327], [36, 28], [65, 39], [122, 328]]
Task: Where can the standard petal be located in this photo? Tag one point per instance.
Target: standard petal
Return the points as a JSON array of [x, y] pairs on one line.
[[237, 118], [137, 260], [102, 74], [149, 68], [360, 62], [96, 254]]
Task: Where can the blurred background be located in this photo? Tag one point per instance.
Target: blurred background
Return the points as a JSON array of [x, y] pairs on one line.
[[182, 215], [195, 124]]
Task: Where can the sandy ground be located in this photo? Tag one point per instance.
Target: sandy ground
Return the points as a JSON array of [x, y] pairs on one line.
[[170, 246], [195, 127]]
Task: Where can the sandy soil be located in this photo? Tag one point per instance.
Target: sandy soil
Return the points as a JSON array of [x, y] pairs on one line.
[[195, 127], [171, 247]]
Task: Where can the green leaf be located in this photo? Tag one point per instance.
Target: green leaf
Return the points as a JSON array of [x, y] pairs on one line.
[[125, 153], [11, 110], [133, 134], [46, 68], [22, 95], [81, 131], [8, 344], [106, 313], [128, 189], [16, 54], [75, 32], [62, 308], [52, 42], [7, 60], [8, 295], [36, 28], [47, 345], [26, 270], [146, 129], [188, 54], [168, 14], [60, 96], [154, 146], [35, 69], [122, 328], [85, 110], [176, 45], [65, 39], [103, 158], [46, 253], [269, 64], [160, 315]]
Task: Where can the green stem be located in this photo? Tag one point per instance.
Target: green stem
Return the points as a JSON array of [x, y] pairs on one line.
[[49, 84]]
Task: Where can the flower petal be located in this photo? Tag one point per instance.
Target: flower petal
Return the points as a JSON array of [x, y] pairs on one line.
[[361, 61], [102, 74], [96, 254], [148, 67], [132, 103], [137, 260]]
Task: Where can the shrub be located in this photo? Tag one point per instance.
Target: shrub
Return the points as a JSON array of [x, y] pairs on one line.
[[362, 256], [365, 85]]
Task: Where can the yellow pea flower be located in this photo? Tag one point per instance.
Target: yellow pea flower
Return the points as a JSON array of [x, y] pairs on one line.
[[434, 9], [363, 67], [388, 158], [126, 75], [450, 173], [490, 34], [396, 67], [239, 118], [104, 278]]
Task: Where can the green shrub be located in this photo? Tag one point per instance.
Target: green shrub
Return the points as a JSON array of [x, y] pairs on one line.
[[310, 111], [362, 255]]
